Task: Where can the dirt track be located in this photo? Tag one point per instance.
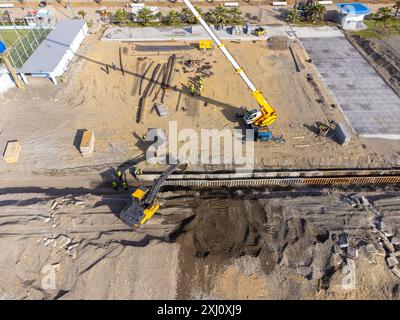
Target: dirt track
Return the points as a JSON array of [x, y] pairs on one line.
[[254, 245]]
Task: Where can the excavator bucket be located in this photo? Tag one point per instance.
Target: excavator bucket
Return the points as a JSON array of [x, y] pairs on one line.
[[148, 213]]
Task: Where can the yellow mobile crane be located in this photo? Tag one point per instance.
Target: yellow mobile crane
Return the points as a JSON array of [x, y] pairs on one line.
[[264, 115]]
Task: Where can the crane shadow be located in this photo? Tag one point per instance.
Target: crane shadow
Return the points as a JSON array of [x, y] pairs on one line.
[[229, 110]]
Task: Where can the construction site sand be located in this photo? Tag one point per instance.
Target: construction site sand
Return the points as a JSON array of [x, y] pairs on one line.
[[46, 118]]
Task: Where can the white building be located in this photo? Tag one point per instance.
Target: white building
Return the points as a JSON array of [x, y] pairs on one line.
[[351, 15], [53, 56], [6, 81]]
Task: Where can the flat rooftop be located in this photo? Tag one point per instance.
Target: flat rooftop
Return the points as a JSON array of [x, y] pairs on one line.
[[47, 56], [370, 106]]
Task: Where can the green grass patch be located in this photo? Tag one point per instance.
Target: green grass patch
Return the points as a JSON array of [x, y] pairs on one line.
[[311, 24], [378, 30], [10, 36]]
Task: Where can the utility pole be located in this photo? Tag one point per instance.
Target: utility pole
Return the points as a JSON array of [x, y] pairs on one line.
[[70, 7]]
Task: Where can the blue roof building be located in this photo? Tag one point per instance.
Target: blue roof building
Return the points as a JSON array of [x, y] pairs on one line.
[[351, 15]]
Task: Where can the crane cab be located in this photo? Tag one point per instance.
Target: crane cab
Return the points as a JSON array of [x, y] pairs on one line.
[[250, 116]]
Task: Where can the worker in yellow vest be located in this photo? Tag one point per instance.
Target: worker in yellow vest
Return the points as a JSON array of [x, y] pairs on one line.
[[191, 88], [200, 88]]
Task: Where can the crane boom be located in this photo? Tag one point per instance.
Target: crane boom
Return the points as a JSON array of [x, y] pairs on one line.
[[265, 114]]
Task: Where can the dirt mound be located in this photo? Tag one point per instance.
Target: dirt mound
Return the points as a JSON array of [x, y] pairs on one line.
[[278, 43], [222, 230], [226, 230]]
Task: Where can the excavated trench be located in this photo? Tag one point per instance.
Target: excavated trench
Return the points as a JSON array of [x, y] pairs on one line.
[[222, 230], [288, 233]]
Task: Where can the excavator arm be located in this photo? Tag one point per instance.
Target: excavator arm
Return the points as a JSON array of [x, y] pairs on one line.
[[265, 114]]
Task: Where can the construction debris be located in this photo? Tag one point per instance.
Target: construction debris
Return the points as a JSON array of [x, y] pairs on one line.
[[120, 62], [11, 152], [142, 102], [342, 134], [161, 109], [294, 59], [278, 43], [143, 77], [163, 48], [87, 143]]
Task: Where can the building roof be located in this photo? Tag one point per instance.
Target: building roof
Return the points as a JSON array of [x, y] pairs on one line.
[[353, 8], [49, 53]]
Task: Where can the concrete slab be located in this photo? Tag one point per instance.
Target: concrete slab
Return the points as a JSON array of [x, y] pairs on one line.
[[369, 105], [198, 33], [318, 32]]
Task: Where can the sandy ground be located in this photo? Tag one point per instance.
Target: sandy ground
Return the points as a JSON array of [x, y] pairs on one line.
[[281, 247], [104, 260], [46, 119]]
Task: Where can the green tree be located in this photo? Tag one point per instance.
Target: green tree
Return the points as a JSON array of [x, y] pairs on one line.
[[219, 16], [293, 15], [188, 16], [145, 16], [7, 14], [173, 18], [121, 17], [314, 12], [384, 13], [397, 7], [235, 15], [82, 13], [376, 18]]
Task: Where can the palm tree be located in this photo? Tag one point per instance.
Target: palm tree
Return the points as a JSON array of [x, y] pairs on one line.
[[293, 15], [235, 15], [173, 18], [314, 12], [384, 13], [219, 16], [82, 13], [376, 18], [397, 7], [145, 16], [188, 16], [7, 14], [120, 17]]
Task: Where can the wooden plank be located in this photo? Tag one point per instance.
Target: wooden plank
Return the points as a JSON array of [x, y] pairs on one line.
[[12, 151]]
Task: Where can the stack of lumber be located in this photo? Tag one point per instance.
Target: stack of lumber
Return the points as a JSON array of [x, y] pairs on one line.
[[11, 152], [87, 143]]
